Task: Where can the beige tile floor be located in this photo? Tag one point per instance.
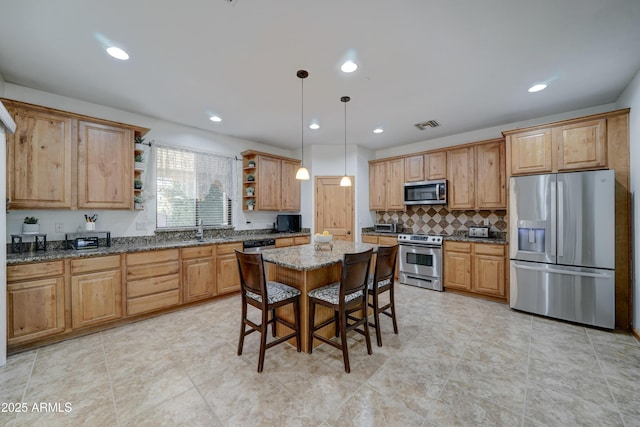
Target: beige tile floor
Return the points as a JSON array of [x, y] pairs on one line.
[[456, 361]]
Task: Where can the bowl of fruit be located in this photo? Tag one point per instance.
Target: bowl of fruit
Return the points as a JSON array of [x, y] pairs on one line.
[[325, 237]]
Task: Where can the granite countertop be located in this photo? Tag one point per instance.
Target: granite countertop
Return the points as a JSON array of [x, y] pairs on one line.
[[499, 239], [139, 245], [306, 257]]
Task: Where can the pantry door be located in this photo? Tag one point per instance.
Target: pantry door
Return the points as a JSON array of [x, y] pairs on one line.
[[334, 207]]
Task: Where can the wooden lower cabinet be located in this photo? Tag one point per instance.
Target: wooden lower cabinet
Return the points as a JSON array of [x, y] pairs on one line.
[[227, 274], [477, 268], [35, 301], [283, 242], [198, 273], [153, 281], [96, 291], [385, 241]]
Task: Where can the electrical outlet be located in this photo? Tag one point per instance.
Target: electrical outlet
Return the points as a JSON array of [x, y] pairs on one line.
[[59, 227], [486, 221], [140, 225]]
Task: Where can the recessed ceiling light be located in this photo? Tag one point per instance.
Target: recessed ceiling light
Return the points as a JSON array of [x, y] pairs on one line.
[[215, 118], [349, 66], [314, 126], [537, 88], [378, 130], [118, 53]]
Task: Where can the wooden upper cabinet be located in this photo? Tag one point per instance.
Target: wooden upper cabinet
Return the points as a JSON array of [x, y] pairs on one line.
[[461, 175], [414, 168], [40, 158], [491, 186], [62, 160], [377, 186], [105, 166], [290, 186], [531, 152], [395, 185], [566, 146], [271, 180], [386, 184], [437, 165], [268, 181], [581, 145]]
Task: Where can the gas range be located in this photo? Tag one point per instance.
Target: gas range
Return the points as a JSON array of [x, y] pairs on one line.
[[420, 239]]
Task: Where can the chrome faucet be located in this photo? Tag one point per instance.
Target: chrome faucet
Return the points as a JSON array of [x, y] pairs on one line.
[[200, 230]]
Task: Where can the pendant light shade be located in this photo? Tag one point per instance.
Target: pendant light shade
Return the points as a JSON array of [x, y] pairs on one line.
[[345, 181], [302, 173]]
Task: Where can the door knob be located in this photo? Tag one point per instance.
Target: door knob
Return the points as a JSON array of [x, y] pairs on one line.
[[348, 232]]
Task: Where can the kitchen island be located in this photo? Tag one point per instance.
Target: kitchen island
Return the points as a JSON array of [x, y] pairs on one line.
[[305, 268]]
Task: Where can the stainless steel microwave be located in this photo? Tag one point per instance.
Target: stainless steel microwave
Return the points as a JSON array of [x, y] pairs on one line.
[[426, 192]]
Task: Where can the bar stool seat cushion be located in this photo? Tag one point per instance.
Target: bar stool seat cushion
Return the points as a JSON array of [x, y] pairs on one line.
[[276, 292], [381, 284], [331, 294]]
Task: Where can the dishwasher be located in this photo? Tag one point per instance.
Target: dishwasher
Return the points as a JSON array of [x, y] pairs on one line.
[[258, 245]]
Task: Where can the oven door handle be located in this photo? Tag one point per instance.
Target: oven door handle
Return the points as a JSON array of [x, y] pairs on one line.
[[418, 245]]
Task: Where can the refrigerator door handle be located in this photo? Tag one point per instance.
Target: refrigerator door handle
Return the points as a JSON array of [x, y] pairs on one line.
[[566, 272], [552, 240], [560, 218]]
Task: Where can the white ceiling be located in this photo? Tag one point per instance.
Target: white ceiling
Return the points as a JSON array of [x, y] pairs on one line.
[[465, 63]]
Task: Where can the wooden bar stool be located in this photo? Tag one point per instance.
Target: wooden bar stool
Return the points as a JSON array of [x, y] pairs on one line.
[[266, 297], [381, 282], [346, 298]]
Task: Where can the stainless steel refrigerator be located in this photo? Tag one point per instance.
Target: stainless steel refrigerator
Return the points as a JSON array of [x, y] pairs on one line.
[[562, 246]]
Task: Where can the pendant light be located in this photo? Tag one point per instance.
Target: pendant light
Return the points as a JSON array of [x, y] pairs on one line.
[[302, 173], [345, 181]]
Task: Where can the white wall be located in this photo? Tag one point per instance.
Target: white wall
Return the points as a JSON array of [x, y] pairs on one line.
[[123, 223], [487, 133], [630, 98], [328, 160]]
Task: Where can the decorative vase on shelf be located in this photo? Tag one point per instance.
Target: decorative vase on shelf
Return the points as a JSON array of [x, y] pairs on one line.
[[250, 207], [251, 164]]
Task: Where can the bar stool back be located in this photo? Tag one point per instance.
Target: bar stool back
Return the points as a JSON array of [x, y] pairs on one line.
[[346, 298], [266, 297], [382, 281]]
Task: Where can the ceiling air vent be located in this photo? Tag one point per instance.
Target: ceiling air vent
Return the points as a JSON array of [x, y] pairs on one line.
[[424, 125]]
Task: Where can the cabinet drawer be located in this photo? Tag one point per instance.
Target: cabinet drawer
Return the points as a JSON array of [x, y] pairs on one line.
[[284, 242], [387, 241], [152, 285], [153, 302], [151, 257], [39, 269], [488, 249], [153, 270], [458, 247], [370, 239], [197, 252], [95, 264], [301, 240], [228, 248]]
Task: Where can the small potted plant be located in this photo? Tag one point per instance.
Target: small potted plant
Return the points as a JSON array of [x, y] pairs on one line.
[[137, 184], [251, 164], [138, 162], [250, 204], [250, 177], [138, 202], [30, 225], [139, 142], [250, 191]]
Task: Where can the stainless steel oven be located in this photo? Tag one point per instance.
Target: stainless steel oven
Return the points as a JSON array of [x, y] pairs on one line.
[[420, 258]]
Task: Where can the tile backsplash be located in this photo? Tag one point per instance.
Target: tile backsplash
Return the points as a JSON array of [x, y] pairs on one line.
[[440, 220]]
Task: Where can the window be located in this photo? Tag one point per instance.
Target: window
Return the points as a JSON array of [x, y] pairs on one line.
[[192, 186]]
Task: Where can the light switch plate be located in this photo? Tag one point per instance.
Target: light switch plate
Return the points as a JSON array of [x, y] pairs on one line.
[[59, 227]]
